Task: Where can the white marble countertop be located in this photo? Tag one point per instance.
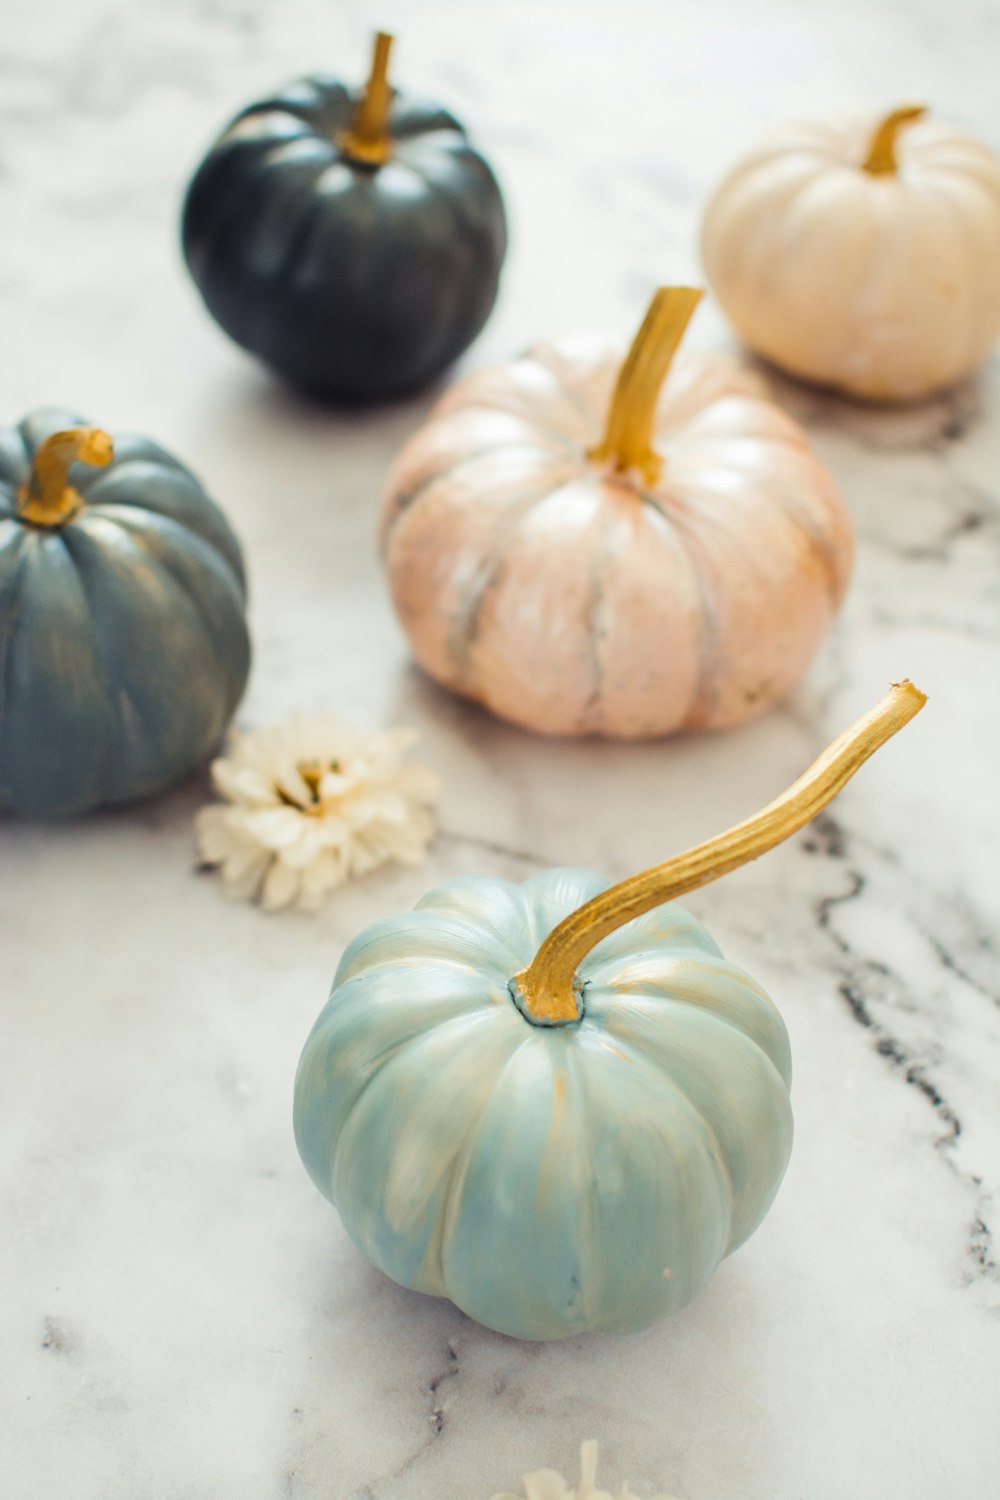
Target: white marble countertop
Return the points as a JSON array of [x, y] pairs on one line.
[[181, 1315]]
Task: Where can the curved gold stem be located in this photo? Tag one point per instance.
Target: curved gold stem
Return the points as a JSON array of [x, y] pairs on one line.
[[881, 158], [546, 985], [367, 139], [628, 435], [46, 499]]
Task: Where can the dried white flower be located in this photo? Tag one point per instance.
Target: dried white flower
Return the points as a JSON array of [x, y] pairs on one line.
[[546, 1484], [311, 803]]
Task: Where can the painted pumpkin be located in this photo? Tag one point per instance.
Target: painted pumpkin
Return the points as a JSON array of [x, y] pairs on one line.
[[678, 573], [865, 256], [351, 241], [123, 643], [557, 1104]]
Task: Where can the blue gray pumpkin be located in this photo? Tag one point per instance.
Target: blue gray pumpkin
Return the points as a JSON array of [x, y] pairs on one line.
[[556, 1103], [123, 640], [351, 239]]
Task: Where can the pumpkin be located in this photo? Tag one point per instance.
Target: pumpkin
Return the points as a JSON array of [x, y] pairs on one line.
[[351, 241], [862, 256], [123, 643], [677, 573], [557, 1104]]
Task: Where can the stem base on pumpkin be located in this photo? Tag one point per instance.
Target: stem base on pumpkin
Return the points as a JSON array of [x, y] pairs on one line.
[[47, 499], [628, 435]]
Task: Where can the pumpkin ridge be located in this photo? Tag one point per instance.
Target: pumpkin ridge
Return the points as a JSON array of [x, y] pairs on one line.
[[405, 502], [659, 1086], [12, 567], [460, 401], [825, 552], [31, 573], [140, 519], [131, 448], [446, 1221], [683, 934], [589, 419], [470, 933], [144, 525], [489, 923], [213, 246], [193, 513], [312, 1086], [973, 172], [606, 999], [307, 213], [432, 961], [656, 1070], [450, 314], [672, 954], [963, 238], [123, 709], [551, 894], [467, 625], [131, 714], [324, 93], [466, 1021], [591, 716], [663, 1067], [227, 639], [705, 692]]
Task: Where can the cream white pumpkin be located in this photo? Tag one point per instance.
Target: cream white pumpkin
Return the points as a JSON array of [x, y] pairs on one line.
[[863, 256], [678, 574]]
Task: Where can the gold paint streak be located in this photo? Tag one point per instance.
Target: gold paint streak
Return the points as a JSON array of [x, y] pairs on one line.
[[367, 138], [628, 435], [547, 983], [881, 158], [47, 499]]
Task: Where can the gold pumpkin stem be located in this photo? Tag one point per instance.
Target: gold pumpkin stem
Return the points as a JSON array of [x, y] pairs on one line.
[[881, 158], [628, 435], [367, 140], [546, 985], [47, 499]]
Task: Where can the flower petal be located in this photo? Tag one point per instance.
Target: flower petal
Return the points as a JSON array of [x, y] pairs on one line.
[[281, 887]]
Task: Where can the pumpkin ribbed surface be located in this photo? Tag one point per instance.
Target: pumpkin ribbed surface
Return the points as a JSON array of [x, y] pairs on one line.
[[355, 281], [548, 1180], [123, 643], [572, 599], [885, 285]]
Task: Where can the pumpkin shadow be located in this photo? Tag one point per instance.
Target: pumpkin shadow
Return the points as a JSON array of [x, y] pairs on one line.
[[255, 420], [602, 804], [930, 422]]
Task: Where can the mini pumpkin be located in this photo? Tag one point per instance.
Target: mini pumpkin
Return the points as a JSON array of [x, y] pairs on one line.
[[678, 572], [123, 643], [862, 256], [353, 241], [557, 1104]]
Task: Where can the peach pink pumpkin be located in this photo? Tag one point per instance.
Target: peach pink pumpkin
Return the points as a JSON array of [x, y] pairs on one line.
[[677, 573]]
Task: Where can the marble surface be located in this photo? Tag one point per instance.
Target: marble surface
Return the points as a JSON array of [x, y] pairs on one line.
[[181, 1315]]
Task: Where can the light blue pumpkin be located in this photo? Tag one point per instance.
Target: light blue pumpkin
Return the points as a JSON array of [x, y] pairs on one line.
[[550, 1180], [123, 641]]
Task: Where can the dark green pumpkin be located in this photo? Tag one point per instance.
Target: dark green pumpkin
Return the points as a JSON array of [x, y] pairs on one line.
[[351, 239], [123, 641]]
